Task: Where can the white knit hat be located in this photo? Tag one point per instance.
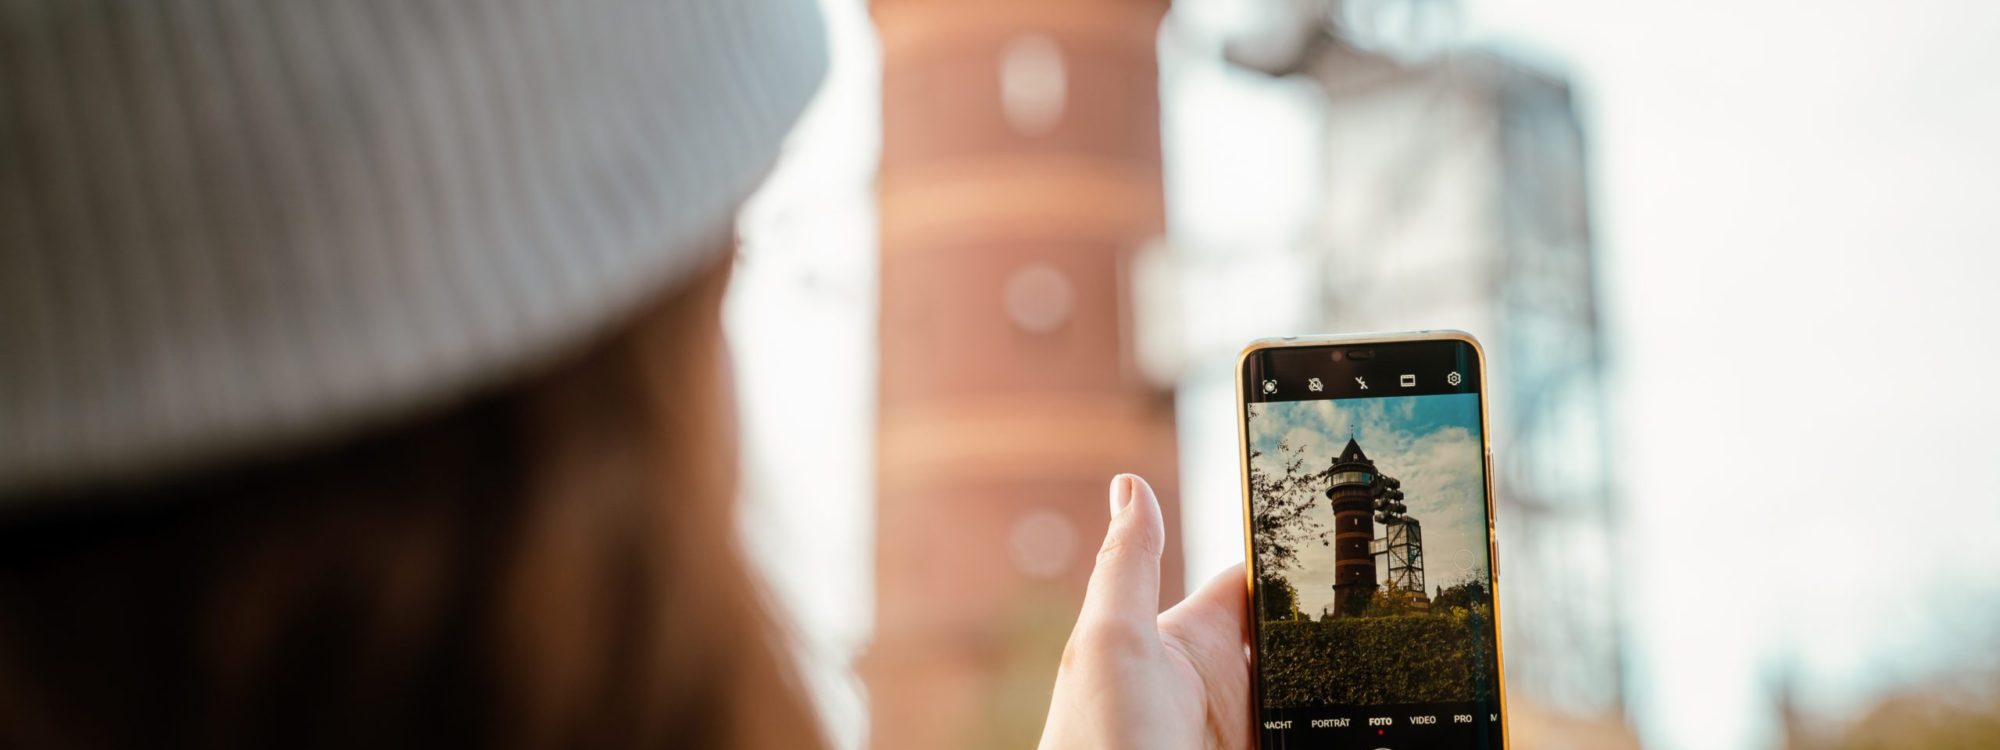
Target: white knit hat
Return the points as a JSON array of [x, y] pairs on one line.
[[228, 225]]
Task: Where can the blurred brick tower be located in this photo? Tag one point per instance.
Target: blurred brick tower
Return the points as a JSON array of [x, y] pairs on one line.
[[1020, 174]]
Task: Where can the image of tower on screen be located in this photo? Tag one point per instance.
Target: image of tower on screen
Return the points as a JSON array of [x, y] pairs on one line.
[[1369, 536]]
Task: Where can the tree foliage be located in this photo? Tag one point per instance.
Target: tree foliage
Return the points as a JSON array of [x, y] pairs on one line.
[[1276, 599], [1391, 601], [1378, 660], [1463, 595], [1281, 505]]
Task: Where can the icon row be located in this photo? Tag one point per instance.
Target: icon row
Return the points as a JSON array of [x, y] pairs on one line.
[[1407, 380]]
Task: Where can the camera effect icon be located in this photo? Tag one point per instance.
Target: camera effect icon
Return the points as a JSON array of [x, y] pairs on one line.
[[1270, 386]]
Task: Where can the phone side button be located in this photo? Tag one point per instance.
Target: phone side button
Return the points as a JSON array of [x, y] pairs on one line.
[[1492, 523], [1489, 493]]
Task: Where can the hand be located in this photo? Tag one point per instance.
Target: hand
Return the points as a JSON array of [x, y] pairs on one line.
[[1131, 680]]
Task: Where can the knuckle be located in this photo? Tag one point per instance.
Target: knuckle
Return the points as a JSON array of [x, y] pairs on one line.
[[1108, 641], [1138, 547], [1074, 655]]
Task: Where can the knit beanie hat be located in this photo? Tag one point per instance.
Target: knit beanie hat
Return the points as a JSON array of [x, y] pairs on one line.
[[227, 225]]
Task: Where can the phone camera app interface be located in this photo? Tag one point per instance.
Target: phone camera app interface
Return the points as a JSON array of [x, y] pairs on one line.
[[1373, 589]]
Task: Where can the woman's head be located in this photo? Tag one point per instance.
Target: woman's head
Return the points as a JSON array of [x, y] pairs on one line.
[[364, 381], [552, 564]]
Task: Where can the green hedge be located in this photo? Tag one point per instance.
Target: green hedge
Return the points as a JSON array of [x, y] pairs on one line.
[[1406, 659]]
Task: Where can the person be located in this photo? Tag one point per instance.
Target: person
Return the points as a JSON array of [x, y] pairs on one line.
[[362, 384], [362, 379], [1132, 678]]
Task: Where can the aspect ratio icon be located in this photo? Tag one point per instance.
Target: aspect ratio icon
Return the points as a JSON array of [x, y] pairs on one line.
[[1409, 380], [1314, 385], [1270, 386]]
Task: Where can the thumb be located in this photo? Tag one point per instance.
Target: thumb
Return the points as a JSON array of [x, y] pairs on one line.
[[1125, 586]]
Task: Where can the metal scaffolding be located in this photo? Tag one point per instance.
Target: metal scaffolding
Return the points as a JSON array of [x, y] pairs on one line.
[[1455, 195], [1402, 551]]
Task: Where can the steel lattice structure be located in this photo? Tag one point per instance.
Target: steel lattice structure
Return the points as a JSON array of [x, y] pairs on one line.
[[1402, 550], [1456, 196]]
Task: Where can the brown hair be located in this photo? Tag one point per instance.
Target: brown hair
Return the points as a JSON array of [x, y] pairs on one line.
[[552, 565]]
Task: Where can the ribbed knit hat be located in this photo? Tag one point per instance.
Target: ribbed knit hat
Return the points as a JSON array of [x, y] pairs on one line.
[[233, 224]]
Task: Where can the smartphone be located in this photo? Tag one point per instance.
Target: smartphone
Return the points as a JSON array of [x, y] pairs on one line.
[[1368, 507]]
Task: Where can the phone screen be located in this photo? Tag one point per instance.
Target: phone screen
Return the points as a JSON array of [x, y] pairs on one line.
[[1372, 568]]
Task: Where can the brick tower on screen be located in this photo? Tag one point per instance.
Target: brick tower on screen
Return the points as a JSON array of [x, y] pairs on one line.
[[1357, 492], [1020, 174]]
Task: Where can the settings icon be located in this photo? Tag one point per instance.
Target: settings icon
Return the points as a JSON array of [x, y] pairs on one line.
[[1453, 378]]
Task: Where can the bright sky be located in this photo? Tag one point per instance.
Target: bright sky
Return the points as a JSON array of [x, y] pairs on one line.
[[1799, 210]]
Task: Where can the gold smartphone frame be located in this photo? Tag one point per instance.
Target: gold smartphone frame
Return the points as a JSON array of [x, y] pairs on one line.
[[1243, 480]]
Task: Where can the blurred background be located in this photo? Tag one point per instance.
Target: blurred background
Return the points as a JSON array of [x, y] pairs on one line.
[[1732, 263]]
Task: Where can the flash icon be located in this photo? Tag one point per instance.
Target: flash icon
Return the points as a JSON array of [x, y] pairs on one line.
[[1362, 381]]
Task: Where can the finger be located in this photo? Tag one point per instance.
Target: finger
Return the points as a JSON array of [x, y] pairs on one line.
[[1211, 631], [1125, 586], [1218, 611]]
